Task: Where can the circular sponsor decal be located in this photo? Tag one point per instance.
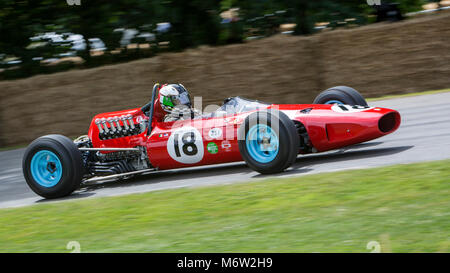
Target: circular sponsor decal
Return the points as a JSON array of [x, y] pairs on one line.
[[212, 148], [215, 133], [185, 145], [343, 108]]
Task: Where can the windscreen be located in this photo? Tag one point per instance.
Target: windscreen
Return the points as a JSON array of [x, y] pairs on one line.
[[239, 105]]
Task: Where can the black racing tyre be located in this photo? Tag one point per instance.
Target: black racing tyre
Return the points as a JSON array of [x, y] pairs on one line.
[[52, 166], [340, 95], [268, 141]]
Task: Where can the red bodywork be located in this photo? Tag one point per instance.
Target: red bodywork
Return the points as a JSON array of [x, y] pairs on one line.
[[327, 127]]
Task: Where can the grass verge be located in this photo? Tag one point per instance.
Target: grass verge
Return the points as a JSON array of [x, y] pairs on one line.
[[3, 149], [410, 94], [406, 208]]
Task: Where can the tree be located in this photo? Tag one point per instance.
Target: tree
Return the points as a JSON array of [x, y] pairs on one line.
[[193, 22]]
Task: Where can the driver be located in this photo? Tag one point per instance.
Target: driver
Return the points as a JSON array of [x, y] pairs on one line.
[[176, 103]]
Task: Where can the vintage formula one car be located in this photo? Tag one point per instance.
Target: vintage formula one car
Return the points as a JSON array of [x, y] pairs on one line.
[[268, 137]]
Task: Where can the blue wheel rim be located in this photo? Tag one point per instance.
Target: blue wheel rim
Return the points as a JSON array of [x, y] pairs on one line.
[[46, 168], [262, 143], [333, 102]]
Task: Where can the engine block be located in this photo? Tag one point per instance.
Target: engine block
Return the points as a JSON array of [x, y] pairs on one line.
[[115, 127]]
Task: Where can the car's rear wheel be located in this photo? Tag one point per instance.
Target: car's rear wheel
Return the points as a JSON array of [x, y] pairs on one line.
[[53, 166], [268, 141], [340, 95]]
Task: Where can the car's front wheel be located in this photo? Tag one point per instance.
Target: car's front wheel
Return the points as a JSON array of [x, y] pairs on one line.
[[53, 166]]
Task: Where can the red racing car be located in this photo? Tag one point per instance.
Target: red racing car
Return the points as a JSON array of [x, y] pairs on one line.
[[268, 137]]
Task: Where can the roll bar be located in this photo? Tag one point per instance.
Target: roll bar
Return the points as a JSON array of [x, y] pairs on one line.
[[151, 105]]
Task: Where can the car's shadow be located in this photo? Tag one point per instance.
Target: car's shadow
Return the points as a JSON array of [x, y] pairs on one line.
[[75, 195], [301, 166]]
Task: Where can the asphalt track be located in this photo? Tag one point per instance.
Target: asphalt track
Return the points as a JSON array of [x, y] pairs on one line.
[[424, 135]]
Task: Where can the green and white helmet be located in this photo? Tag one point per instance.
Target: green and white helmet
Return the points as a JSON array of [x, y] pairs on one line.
[[172, 96]]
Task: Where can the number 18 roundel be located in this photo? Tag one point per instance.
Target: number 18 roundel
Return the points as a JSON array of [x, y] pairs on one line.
[[185, 145]]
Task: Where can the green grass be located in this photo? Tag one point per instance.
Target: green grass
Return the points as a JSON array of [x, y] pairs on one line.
[[12, 147], [406, 208], [409, 95]]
